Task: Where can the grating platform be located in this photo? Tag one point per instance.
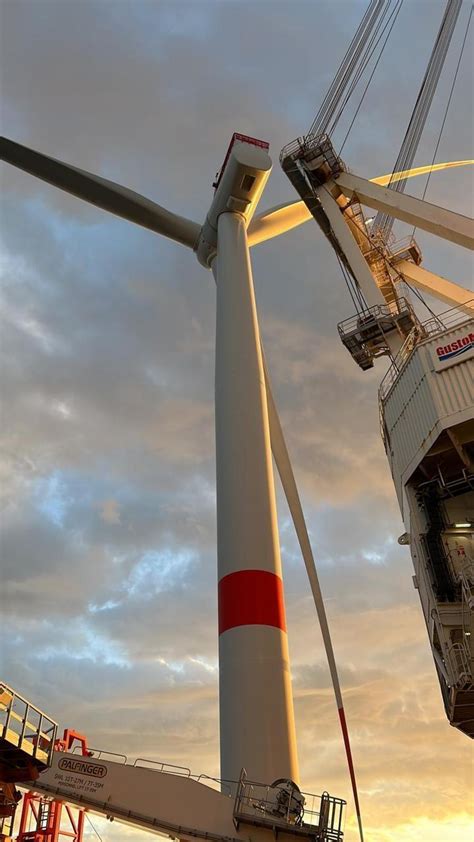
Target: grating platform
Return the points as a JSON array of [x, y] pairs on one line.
[[318, 155], [283, 808], [27, 735], [365, 334]]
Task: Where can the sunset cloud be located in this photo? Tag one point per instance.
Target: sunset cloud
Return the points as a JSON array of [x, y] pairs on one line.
[[107, 473]]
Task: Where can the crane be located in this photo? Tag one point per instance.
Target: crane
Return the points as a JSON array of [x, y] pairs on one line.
[[428, 435], [157, 797]]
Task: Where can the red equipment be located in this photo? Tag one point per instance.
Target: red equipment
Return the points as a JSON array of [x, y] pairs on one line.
[[238, 138], [53, 820]]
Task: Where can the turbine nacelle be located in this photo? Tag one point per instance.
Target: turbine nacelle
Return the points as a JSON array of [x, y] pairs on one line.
[[241, 183]]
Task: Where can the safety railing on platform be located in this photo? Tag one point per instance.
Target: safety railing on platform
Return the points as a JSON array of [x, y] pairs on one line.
[[25, 728], [466, 577], [406, 248], [313, 145], [459, 659], [6, 822], [378, 312], [100, 754], [449, 319], [159, 766], [283, 807]]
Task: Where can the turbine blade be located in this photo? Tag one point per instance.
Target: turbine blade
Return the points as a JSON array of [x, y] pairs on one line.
[[285, 217], [282, 459], [98, 191], [277, 221], [391, 178]]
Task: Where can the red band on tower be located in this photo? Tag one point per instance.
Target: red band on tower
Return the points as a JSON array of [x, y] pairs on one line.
[[249, 598]]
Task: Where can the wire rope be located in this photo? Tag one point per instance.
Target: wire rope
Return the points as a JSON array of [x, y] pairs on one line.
[[349, 285], [93, 827], [419, 296], [453, 85], [343, 68], [349, 65], [364, 62], [383, 221], [397, 10]]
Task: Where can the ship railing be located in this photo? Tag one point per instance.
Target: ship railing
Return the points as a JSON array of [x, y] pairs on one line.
[[448, 319], [459, 659], [466, 577]]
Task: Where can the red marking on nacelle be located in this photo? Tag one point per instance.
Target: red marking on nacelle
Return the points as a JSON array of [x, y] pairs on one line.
[[242, 138], [249, 598]]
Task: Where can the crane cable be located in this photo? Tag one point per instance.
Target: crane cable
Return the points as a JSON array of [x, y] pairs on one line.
[[393, 20], [383, 221], [348, 66], [453, 85], [353, 287], [93, 827], [405, 174], [370, 50], [342, 71]]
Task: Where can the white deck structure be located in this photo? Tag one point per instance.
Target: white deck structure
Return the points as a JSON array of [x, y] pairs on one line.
[[426, 405]]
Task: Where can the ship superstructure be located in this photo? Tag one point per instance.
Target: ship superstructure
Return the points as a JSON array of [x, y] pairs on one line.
[[426, 408]]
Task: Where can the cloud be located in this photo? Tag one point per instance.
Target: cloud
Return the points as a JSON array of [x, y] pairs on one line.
[[107, 478], [110, 511]]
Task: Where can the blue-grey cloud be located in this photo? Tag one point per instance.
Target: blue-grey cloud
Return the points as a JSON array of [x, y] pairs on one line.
[[108, 584]]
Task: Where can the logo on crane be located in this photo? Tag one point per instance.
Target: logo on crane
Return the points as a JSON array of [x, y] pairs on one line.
[[82, 767]]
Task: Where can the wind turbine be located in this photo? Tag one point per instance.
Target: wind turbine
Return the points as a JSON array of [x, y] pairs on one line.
[[257, 730]]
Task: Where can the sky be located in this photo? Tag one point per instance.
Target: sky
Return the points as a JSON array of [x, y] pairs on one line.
[[108, 582]]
